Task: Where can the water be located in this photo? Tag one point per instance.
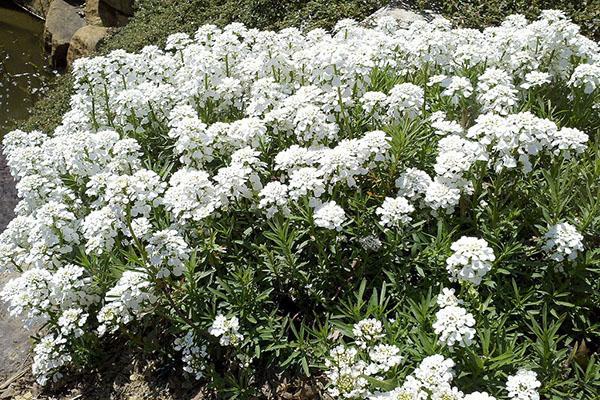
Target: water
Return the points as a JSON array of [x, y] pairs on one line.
[[23, 66]]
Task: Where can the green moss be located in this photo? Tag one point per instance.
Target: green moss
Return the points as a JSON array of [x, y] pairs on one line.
[[156, 19], [482, 13], [48, 111]]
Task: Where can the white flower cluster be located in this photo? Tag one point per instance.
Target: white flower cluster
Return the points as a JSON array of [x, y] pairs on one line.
[[563, 241], [158, 143], [518, 137], [167, 252], [38, 294], [454, 325], [431, 380], [49, 355], [349, 367], [227, 330], [367, 331], [129, 299], [330, 216], [394, 212], [193, 355], [523, 385], [471, 260]]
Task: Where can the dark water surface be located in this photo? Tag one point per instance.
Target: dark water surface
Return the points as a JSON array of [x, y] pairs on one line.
[[23, 68]]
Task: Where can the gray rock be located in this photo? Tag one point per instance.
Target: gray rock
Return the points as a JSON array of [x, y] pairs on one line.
[[15, 345], [62, 21], [402, 12]]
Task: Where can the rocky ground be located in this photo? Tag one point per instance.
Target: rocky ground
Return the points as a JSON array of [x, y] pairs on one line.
[[14, 340]]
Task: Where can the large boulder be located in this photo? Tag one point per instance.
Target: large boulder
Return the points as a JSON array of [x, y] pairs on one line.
[[62, 21], [123, 6], [85, 42], [402, 13], [99, 13]]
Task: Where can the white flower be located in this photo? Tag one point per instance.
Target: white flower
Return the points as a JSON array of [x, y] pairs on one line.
[[563, 241], [367, 331], [535, 78], [523, 385], [479, 396], [442, 194], [168, 252], [193, 355], [496, 91], [471, 260], [434, 373], [330, 216], [71, 321], [454, 325], [306, 181], [405, 99], [458, 87], [448, 393], [394, 212], [274, 198], [384, 356], [226, 329], [191, 195], [49, 355], [413, 183], [447, 298], [129, 299], [586, 76]]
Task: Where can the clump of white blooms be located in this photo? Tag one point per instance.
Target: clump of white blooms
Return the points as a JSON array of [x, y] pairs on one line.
[[167, 252], [330, 216], [346, 374], [196, 156], [383, 357], [413, 183], [478, 396], [586, 77], [49, 355], [471, 260], [129, 299], [432, 379], [394, 212], [454, 325], [563, 241], [227, 330], [523, 385], [447, 298], [367, 331], [72, 321], [37, 294], [193, 355]]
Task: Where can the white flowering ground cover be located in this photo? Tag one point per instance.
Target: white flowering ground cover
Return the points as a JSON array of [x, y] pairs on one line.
[[397, 213]]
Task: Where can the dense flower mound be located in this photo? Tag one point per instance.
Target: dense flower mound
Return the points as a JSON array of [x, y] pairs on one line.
[[257, 205]]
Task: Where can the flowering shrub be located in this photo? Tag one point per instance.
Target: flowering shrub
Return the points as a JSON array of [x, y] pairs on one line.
[[261, 204]]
